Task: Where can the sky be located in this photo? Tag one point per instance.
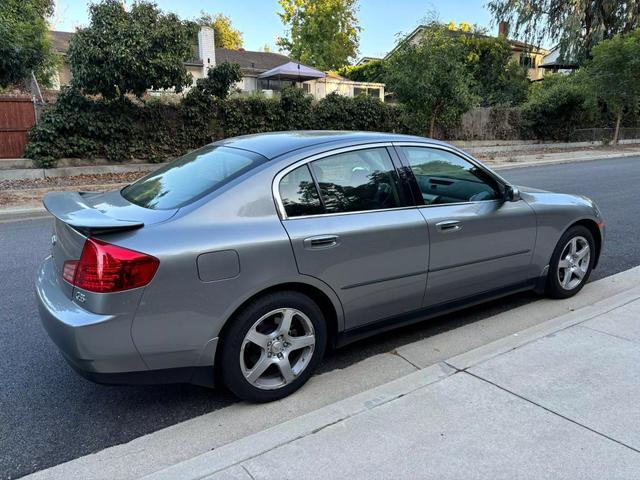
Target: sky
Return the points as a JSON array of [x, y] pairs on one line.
[[381, 20]]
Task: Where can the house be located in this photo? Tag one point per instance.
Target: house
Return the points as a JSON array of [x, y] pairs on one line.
[[261, 71], [529, 56], [365, 60], [553, 63], [332, 82]]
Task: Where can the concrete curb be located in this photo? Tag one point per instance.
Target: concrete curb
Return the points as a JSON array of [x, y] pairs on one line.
[[254, 445], [481, 354], [523, 147], [18, 214], [70, 171], [37, 173], [557, 161]]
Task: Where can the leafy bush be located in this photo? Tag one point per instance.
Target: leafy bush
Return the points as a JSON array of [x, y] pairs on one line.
[[336, 112], [372, 71], [124, 128], [78, 126], [556, 107], [220, 79]]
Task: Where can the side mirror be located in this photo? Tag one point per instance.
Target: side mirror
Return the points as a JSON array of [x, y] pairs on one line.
[[511, 193]]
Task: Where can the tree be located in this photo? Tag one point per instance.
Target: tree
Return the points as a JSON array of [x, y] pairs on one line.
[[614, 71], [557, 106], [373, 71], [225, 36], [130, 52], [577, 26], [497, 78], [220, 79], [322, 33], [24, 44], [431, 78]]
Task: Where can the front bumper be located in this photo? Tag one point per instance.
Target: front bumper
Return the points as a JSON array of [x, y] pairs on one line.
[[99, 347]]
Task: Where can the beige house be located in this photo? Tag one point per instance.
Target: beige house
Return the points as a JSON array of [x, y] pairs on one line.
[[527, 55], [255, 68], [333, 82]]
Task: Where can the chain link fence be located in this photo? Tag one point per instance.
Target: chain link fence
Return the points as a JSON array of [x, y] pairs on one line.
[[604, 134]]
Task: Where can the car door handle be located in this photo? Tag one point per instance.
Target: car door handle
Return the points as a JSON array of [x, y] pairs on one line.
[[321, 241], [449, 226]]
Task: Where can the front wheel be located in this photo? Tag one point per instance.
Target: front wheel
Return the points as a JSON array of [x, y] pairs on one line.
[[273, 346], [571, 263]]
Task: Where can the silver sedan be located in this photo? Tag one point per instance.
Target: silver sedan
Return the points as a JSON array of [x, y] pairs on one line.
[[241, 262]]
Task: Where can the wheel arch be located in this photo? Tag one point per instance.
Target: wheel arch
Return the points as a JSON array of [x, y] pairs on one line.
[[592, 226], [330, 307]]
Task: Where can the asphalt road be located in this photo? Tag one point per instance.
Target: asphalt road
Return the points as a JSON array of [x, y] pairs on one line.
[[49, 415]]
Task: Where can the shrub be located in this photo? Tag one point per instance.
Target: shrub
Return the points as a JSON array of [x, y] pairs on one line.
[[296, 106], [124, 128], [336, 112], [555, 108], [79, 126], [220, 79]]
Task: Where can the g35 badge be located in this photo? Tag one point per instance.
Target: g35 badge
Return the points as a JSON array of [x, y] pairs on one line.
[[80, 297]]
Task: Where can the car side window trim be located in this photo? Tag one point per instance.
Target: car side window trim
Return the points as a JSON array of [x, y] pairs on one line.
[[275, 188], [500, 182]]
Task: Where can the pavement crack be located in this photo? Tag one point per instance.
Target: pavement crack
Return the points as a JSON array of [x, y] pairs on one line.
[[454, 367], [618, 337], [248, 472], [553, 412], [395, 352]]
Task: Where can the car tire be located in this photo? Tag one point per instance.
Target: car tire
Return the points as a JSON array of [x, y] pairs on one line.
[[256, 337], [568, 274]]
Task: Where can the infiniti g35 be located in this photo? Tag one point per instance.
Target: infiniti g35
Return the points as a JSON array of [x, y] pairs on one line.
[[241, 262]]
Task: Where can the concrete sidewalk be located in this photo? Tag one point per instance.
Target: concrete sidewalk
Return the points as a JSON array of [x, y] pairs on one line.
[[558, 400]]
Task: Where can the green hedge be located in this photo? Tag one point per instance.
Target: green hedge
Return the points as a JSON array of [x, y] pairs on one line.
[[123, 129], [557, 107]]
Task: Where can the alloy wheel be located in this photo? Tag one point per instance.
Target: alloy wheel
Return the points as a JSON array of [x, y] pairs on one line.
[[573, 264], [277, 348]]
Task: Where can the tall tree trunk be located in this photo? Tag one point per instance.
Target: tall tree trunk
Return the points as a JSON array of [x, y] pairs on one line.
[[432, 124], [617, 132]]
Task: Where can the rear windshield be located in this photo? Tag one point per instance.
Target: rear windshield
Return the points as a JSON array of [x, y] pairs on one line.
[[190, 177]]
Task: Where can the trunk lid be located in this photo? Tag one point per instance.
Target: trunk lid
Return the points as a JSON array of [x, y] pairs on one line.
[[79, 215]]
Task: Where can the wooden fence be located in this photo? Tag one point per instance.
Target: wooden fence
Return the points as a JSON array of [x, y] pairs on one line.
[[17, 116]]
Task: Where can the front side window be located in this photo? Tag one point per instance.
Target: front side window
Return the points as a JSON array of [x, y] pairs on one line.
[[447, 178], [357, 181], [299, 194], [190, 177]]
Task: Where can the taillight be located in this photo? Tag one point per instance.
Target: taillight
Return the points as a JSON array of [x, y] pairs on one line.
[[105, 268]]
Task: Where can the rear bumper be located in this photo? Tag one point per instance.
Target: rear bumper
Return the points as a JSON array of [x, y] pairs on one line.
[[99, 347]]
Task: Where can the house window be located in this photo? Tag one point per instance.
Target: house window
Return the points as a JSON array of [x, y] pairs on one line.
[[373, 92], [370, 91], [270, 84], [528, 61]]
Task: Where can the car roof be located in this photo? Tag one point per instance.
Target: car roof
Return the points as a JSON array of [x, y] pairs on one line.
[[275, 144]]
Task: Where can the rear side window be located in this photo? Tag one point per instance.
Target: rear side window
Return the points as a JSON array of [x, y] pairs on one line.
[[299, 194], [190, 177], [357, 181]]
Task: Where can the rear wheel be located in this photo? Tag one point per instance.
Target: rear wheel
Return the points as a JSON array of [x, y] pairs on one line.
[[273, 346], [571, 263]]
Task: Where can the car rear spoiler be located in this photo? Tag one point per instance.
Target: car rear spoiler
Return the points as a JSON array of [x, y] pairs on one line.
[[72, 209]]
